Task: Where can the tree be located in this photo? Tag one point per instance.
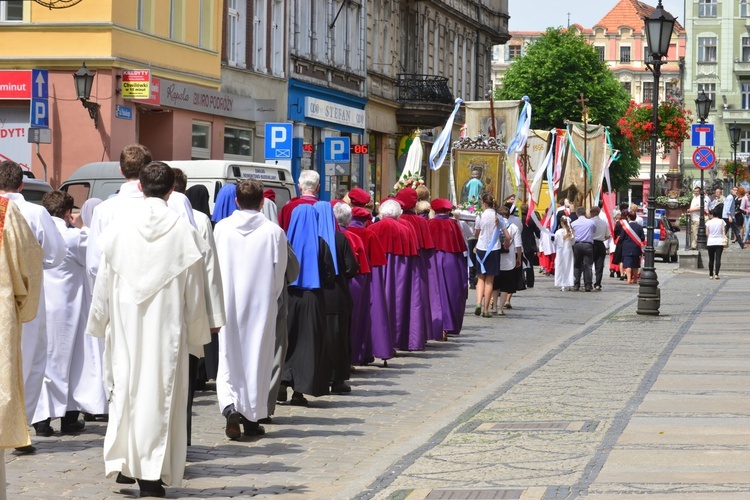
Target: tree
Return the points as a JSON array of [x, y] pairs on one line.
[[553, 72]]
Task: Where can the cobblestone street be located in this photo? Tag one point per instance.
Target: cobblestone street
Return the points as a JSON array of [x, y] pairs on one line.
[[571, 395]]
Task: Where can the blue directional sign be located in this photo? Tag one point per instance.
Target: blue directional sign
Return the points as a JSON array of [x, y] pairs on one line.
[[39, 81], [702, 134], [278, 144], [39, 111], [337, 150]]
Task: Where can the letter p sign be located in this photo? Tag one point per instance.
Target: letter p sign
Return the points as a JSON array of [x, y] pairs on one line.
[[278, 144], [337, 150]]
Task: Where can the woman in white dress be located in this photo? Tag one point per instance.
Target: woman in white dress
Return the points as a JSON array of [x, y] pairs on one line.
[[564, 239]]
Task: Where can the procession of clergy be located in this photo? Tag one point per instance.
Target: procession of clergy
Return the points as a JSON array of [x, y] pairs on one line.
[[140, 286]]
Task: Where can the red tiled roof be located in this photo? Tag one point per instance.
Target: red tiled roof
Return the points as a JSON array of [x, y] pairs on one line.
[[628, 13]]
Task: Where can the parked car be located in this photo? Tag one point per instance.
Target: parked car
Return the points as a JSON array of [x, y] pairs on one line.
[[666, 244], [34, 189]]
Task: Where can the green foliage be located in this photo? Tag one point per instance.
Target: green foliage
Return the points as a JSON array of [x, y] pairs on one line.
[[553, 72]]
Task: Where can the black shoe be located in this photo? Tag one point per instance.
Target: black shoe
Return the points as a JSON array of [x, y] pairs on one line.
[[298, 399], [611, 274], [233, 425], [151, 488], [43, 428], [123, 479], [588, 289], [74, 427], [598, 288], [252, 428], [340, 388], [576, 288], [88, 417], [267, 420], [26, 450], [281, 396]]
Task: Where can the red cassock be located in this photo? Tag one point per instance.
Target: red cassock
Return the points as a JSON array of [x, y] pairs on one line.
[[396, 238], [371, 243], [446, 234], [421, 229], [360, 254], [285, 214]]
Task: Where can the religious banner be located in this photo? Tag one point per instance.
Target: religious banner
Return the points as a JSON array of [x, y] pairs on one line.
[[585, 158], [478, 168], [479, 118]]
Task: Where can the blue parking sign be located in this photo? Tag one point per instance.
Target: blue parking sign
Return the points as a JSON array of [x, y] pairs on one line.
[[278, 145], [39, 113], [337, 150]]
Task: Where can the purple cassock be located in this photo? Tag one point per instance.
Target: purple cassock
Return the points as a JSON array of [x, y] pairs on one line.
[[361, 326], [452, 287], [373, 321], [401, 284]]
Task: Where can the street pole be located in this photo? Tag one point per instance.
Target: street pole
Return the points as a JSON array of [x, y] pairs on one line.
[[649, 295]]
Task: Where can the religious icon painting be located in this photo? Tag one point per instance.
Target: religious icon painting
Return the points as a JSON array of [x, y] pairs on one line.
[[476, 173]]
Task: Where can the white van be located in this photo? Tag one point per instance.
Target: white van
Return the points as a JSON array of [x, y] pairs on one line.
[[103, 179]]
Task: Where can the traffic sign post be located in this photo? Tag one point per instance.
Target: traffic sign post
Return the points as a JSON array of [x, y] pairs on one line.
[[39, 110], [278, 144], [704, 158]]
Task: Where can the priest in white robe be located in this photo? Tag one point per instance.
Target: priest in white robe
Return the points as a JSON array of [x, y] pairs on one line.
[[67, 303], [20, 283], [132, 159], [149, 305], [34, 337], [253, 256]]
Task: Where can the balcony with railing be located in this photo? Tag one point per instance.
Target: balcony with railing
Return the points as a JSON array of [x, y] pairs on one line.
[[426, 100]]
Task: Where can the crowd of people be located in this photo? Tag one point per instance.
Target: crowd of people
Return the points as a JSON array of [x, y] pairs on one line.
[[135, 301], [118, 311]]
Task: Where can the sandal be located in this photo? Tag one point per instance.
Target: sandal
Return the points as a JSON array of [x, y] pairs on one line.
[[478, 311], [486, 315]]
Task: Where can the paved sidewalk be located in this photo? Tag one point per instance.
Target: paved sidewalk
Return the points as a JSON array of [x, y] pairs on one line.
[[631, 405], [570, 395]]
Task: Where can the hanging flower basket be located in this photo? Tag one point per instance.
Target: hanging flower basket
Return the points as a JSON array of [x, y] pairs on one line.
[[674, 124], [730, 169]]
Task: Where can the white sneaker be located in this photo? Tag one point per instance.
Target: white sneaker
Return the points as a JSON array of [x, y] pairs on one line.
[[716, 277]]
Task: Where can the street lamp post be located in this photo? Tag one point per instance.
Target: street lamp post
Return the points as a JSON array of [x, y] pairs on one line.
[[702, 107], [659, 26], [734, 136]]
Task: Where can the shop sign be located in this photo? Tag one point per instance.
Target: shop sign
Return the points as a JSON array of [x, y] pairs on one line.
[[15, 84], [136, 83], [334, 113], [203, 100]]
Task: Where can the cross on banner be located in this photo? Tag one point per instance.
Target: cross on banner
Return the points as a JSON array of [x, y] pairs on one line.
[[584, 109]]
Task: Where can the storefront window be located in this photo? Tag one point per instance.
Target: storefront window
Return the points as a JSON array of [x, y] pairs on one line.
[[238, 144], [201, 141]]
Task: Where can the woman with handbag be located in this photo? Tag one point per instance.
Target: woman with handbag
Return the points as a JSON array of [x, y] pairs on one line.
[[716, 242], [490, 231]]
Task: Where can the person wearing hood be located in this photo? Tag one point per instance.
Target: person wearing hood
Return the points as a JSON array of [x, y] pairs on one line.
[[338, 299], [252, 251], [149, 305], [306, 368]]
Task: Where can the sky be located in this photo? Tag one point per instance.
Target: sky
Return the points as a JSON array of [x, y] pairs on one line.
[[537, 15]]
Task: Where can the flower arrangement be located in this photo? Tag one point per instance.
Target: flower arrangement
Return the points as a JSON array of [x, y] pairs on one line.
[[407, 180], [682, 201], [674, 124], [739, 169]]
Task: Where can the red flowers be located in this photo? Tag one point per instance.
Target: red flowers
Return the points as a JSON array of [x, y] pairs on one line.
[[674, 124]]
